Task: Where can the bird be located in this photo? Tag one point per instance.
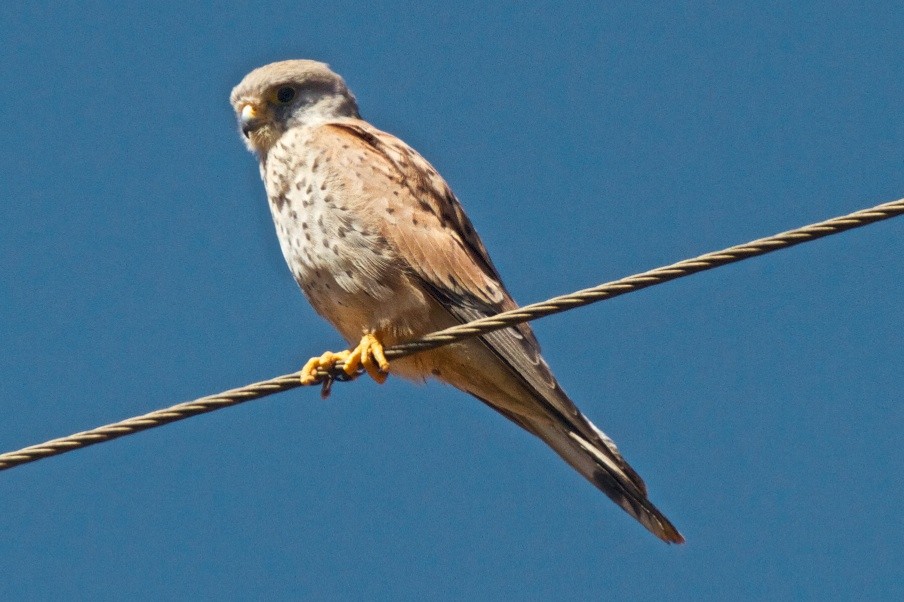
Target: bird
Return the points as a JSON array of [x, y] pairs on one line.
[[383, 250]]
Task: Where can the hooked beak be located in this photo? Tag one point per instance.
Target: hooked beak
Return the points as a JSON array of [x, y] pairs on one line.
[[250, 119]]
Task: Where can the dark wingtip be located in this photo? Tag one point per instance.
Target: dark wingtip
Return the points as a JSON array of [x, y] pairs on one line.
[[651, 518], [637, 505], [670, 534]]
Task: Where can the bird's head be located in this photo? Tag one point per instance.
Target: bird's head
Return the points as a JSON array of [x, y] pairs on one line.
[[277, 97]]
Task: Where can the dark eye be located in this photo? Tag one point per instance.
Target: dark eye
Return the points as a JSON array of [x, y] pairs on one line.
[[285, 94]]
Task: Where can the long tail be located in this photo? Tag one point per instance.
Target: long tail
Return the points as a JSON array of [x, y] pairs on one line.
[[598, 459], [514, 380]]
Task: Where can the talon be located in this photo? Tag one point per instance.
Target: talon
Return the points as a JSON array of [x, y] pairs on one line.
[[326, 387], [326, 362], [372, 358], [376, 350]]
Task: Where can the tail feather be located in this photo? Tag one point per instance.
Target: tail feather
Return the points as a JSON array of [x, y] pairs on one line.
[[600, 463], [515, 381]]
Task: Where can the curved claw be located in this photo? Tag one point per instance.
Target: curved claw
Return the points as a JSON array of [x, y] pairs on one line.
[[373, 359]]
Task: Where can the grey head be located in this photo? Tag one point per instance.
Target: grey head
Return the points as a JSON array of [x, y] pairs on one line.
[[277, 97]]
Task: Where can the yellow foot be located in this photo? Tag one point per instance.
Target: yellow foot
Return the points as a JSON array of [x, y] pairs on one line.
[[326, 362], [368, 353]]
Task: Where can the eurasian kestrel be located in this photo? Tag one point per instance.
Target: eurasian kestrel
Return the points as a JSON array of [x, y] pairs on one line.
[[383, 250]]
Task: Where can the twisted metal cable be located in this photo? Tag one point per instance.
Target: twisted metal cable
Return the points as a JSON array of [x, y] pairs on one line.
[[555, 305]]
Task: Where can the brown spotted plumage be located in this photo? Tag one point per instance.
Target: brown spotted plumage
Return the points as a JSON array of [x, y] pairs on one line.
[[384, 251]]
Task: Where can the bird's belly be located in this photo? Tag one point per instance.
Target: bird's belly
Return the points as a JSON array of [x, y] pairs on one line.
[[349, 276], [402, 315]]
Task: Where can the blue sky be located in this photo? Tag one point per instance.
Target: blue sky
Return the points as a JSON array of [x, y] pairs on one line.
[[762, 402]]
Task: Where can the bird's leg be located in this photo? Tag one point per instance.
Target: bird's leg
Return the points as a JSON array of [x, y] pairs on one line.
[[368, 353]]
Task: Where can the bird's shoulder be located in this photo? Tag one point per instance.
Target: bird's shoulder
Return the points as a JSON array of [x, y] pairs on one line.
[[418, 212]]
